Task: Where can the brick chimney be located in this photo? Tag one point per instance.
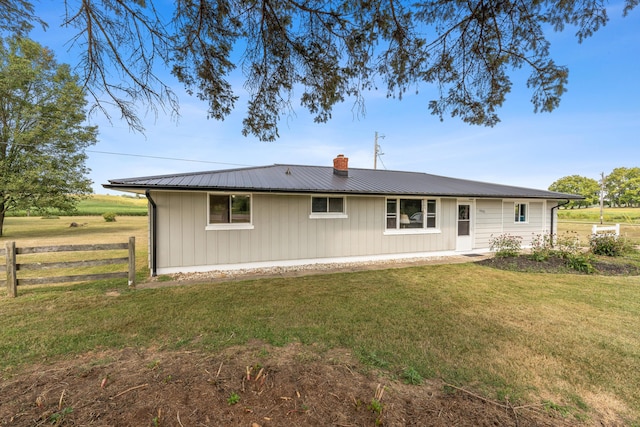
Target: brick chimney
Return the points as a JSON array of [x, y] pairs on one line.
[[341, 165]]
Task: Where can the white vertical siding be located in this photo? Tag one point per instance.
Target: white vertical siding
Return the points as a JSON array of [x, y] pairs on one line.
[[534, 226], [283, 231], [488, 221], [198, 216]]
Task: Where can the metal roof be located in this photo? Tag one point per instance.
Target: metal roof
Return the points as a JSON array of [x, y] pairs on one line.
[[320, 179]]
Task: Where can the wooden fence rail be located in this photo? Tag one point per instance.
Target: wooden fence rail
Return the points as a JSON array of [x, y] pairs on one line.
[[10, 252]]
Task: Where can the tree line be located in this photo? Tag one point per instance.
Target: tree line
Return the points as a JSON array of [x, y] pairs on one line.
[[621, 187]]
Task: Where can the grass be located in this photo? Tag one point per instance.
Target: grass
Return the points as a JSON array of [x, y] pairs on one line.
[[36, 231], [567, 340], [120, 205], [581, 221], [610, 215], [98, 204], [530, 337]]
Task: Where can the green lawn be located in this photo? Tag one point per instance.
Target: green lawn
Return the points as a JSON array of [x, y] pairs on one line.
[[569, 340]]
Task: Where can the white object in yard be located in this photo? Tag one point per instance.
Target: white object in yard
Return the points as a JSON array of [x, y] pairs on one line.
[[612, 230]]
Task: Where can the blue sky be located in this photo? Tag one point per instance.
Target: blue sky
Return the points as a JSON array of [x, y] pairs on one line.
[[595, 129]]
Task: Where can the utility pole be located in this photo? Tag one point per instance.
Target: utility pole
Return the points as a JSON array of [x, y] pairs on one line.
[[601, 197], [376, 150]]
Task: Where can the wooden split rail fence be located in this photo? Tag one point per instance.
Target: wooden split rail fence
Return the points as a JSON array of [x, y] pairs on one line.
[[13, 267]]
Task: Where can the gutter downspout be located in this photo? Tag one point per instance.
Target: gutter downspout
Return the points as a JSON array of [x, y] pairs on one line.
[[152, 243], [556, 207]]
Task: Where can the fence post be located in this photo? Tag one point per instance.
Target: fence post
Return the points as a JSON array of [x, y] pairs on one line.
[[132, 261], [12, 278]]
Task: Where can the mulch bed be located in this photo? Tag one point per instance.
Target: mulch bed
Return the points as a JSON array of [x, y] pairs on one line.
[[557, 265]]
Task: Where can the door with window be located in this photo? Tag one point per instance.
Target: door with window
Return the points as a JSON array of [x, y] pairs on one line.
[[464, 228]]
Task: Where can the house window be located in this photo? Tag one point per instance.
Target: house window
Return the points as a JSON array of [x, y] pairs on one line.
[[229, 211], [521, 212], [431, 214], [328, 207], [413, 214]]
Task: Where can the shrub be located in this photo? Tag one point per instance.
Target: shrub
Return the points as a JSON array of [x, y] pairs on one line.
[[506, 245], [606, 244], [581, 262], [541, 247], [109, 216], [567, 244]]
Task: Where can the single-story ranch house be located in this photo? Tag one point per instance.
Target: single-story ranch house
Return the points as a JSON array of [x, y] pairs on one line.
[[283, 215]]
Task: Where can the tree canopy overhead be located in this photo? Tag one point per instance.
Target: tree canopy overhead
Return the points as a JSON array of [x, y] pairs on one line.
[[327, 51]]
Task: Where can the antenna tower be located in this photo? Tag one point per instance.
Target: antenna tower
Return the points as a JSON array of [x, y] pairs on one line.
[[376, 150]]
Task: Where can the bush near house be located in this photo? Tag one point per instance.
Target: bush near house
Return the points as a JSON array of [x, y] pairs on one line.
[[609, 245], [506, 245], [566, 247]]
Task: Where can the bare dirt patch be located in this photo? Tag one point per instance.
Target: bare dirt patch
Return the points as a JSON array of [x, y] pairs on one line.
[[254, 385]]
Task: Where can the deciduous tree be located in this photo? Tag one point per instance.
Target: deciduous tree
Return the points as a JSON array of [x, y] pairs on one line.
[[576, 184], [623, 186], [325, 51], [42, 130]]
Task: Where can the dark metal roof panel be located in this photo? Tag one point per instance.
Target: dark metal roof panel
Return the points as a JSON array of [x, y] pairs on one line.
[[319, 179]]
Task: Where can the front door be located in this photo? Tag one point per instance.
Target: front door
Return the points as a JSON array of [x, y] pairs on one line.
[[464, 240]]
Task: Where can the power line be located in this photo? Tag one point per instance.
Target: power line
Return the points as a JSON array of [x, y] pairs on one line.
[[165, 158], [145, 156]]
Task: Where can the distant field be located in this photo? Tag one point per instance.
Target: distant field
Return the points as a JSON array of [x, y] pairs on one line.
[[99, 204], [91, 230], [120, 205], [610, 215], [581, 221]]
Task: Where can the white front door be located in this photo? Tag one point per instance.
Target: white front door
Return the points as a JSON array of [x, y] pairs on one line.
[[464, 228]]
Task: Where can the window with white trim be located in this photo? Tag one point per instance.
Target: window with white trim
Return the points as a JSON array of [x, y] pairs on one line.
[[521, 211], [413, 214], [229, 211], [327, 205]]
